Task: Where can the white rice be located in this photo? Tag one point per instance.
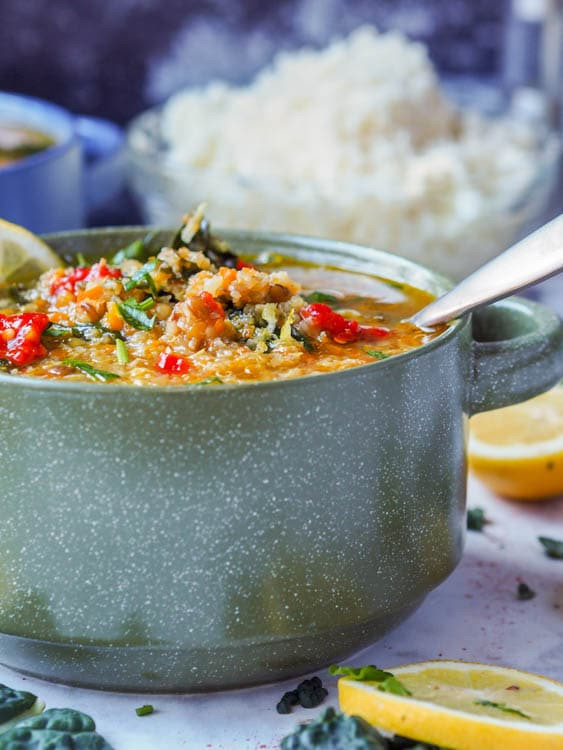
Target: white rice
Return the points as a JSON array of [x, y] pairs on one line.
[[355, 142]]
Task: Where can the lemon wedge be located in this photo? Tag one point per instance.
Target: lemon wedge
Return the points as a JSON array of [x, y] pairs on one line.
[[23, 256], [518, 451], [463, 705]]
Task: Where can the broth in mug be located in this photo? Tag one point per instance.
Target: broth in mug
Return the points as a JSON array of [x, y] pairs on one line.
[[19, 141]]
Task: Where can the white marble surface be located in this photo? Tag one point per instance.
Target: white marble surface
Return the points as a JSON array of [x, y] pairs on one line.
[[474, 615]]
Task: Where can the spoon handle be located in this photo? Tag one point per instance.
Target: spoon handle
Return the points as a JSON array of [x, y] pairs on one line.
[[536, 257]]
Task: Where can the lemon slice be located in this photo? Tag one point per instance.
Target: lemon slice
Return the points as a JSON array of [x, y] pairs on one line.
[[463, 705], [518, 451], [23, 256]]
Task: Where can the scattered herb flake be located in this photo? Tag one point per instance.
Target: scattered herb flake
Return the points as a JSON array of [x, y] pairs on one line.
[[476, 519], [4, 364], [135, 315], [502, 707], [395, 284], [93, 372], [376, 354], [144, 710], [553, 547], [328, 299], [524, 592], [121, 352], [369, 673]]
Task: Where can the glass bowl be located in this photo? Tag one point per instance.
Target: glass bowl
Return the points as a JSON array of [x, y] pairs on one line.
[[165, 191]]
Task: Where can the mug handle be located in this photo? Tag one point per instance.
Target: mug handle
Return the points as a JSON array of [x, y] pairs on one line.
[[104, 160], [517, 353]]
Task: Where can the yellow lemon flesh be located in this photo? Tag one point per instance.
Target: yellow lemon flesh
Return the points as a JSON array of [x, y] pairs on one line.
[[463, 706], [518, 451], [23, 256]]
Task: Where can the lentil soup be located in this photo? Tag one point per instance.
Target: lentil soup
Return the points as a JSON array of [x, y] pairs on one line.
[[194, 312]]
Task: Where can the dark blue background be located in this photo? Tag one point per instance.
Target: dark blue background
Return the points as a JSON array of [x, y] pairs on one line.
[[116, 58]]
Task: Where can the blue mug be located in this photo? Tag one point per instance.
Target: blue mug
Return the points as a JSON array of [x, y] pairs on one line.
[[53, 189]]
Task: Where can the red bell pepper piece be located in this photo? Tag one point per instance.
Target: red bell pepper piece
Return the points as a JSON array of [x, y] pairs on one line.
[[243, 264], [70, 279], [337, 326], [101, 270], [20, 337], [214, 308], [172, 364]]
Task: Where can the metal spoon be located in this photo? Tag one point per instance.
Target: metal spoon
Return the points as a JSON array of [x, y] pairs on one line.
[[538, 256]]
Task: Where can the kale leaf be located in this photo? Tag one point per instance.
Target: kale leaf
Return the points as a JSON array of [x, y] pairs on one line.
[[335, 731], [14, 702], [55, 729]]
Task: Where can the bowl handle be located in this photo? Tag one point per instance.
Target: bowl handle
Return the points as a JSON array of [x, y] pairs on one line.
[[517, 353], [104, 160]]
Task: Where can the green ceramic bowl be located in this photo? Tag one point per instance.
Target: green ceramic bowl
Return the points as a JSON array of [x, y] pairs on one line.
[[186, 539]]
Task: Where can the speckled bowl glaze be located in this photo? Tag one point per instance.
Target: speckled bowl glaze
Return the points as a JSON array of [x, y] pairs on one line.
[[180, 539]]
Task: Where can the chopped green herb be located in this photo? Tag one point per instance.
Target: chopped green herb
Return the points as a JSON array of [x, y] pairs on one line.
[[57, 331], [394, 284], [143, 278], [328, 299], [86, 331], [137, 250], [209, 381], [4, 364], [133, 313], [369, 673], [146, 304], [121, 352], [93, 372], [144, 710], [376, 354], [476, 519], [524, 592], [502, 707], [553, 547], [393, 685], [82, 262]]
